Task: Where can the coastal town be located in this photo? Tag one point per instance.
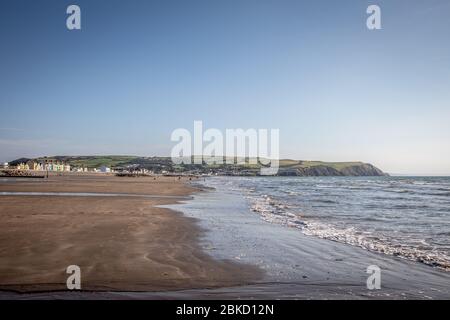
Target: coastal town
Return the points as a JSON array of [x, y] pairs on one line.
[[52, 166], [33, 168], [135, 166]]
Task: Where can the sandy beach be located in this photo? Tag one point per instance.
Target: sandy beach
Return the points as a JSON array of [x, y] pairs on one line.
[[120, 242]]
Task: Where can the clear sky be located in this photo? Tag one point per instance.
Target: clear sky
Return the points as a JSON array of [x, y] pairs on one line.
[[140, 69]]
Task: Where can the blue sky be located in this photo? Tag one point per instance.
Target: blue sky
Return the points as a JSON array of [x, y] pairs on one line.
[[140, 69]]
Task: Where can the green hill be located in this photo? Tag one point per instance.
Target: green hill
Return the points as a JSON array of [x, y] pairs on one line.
[[287, 167]]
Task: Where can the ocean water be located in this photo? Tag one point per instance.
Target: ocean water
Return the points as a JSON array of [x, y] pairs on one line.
[[407, 217]]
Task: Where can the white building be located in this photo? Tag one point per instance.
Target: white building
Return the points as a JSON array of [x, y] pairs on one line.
[[105, 169]]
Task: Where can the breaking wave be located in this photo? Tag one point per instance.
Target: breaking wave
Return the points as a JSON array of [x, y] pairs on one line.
[[274, 211], [414, 227]]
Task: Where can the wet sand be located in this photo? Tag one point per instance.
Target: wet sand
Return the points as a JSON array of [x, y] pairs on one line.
[[121, 243]]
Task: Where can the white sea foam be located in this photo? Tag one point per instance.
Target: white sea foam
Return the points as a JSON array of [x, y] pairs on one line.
[[275, 211]]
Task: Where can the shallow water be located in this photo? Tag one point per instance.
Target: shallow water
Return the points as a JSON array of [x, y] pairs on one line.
[[407, 217], [297, 264]]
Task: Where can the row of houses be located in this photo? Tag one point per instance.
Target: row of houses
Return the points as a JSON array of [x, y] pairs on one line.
[[60, 166], [44, 166], [55, 166], [102, 169]]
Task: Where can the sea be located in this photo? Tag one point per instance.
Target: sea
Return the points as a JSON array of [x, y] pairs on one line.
[[408, 217]]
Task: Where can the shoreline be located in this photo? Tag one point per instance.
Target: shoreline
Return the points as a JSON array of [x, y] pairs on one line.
[[278, 262], [300, 266], [121, 243]]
